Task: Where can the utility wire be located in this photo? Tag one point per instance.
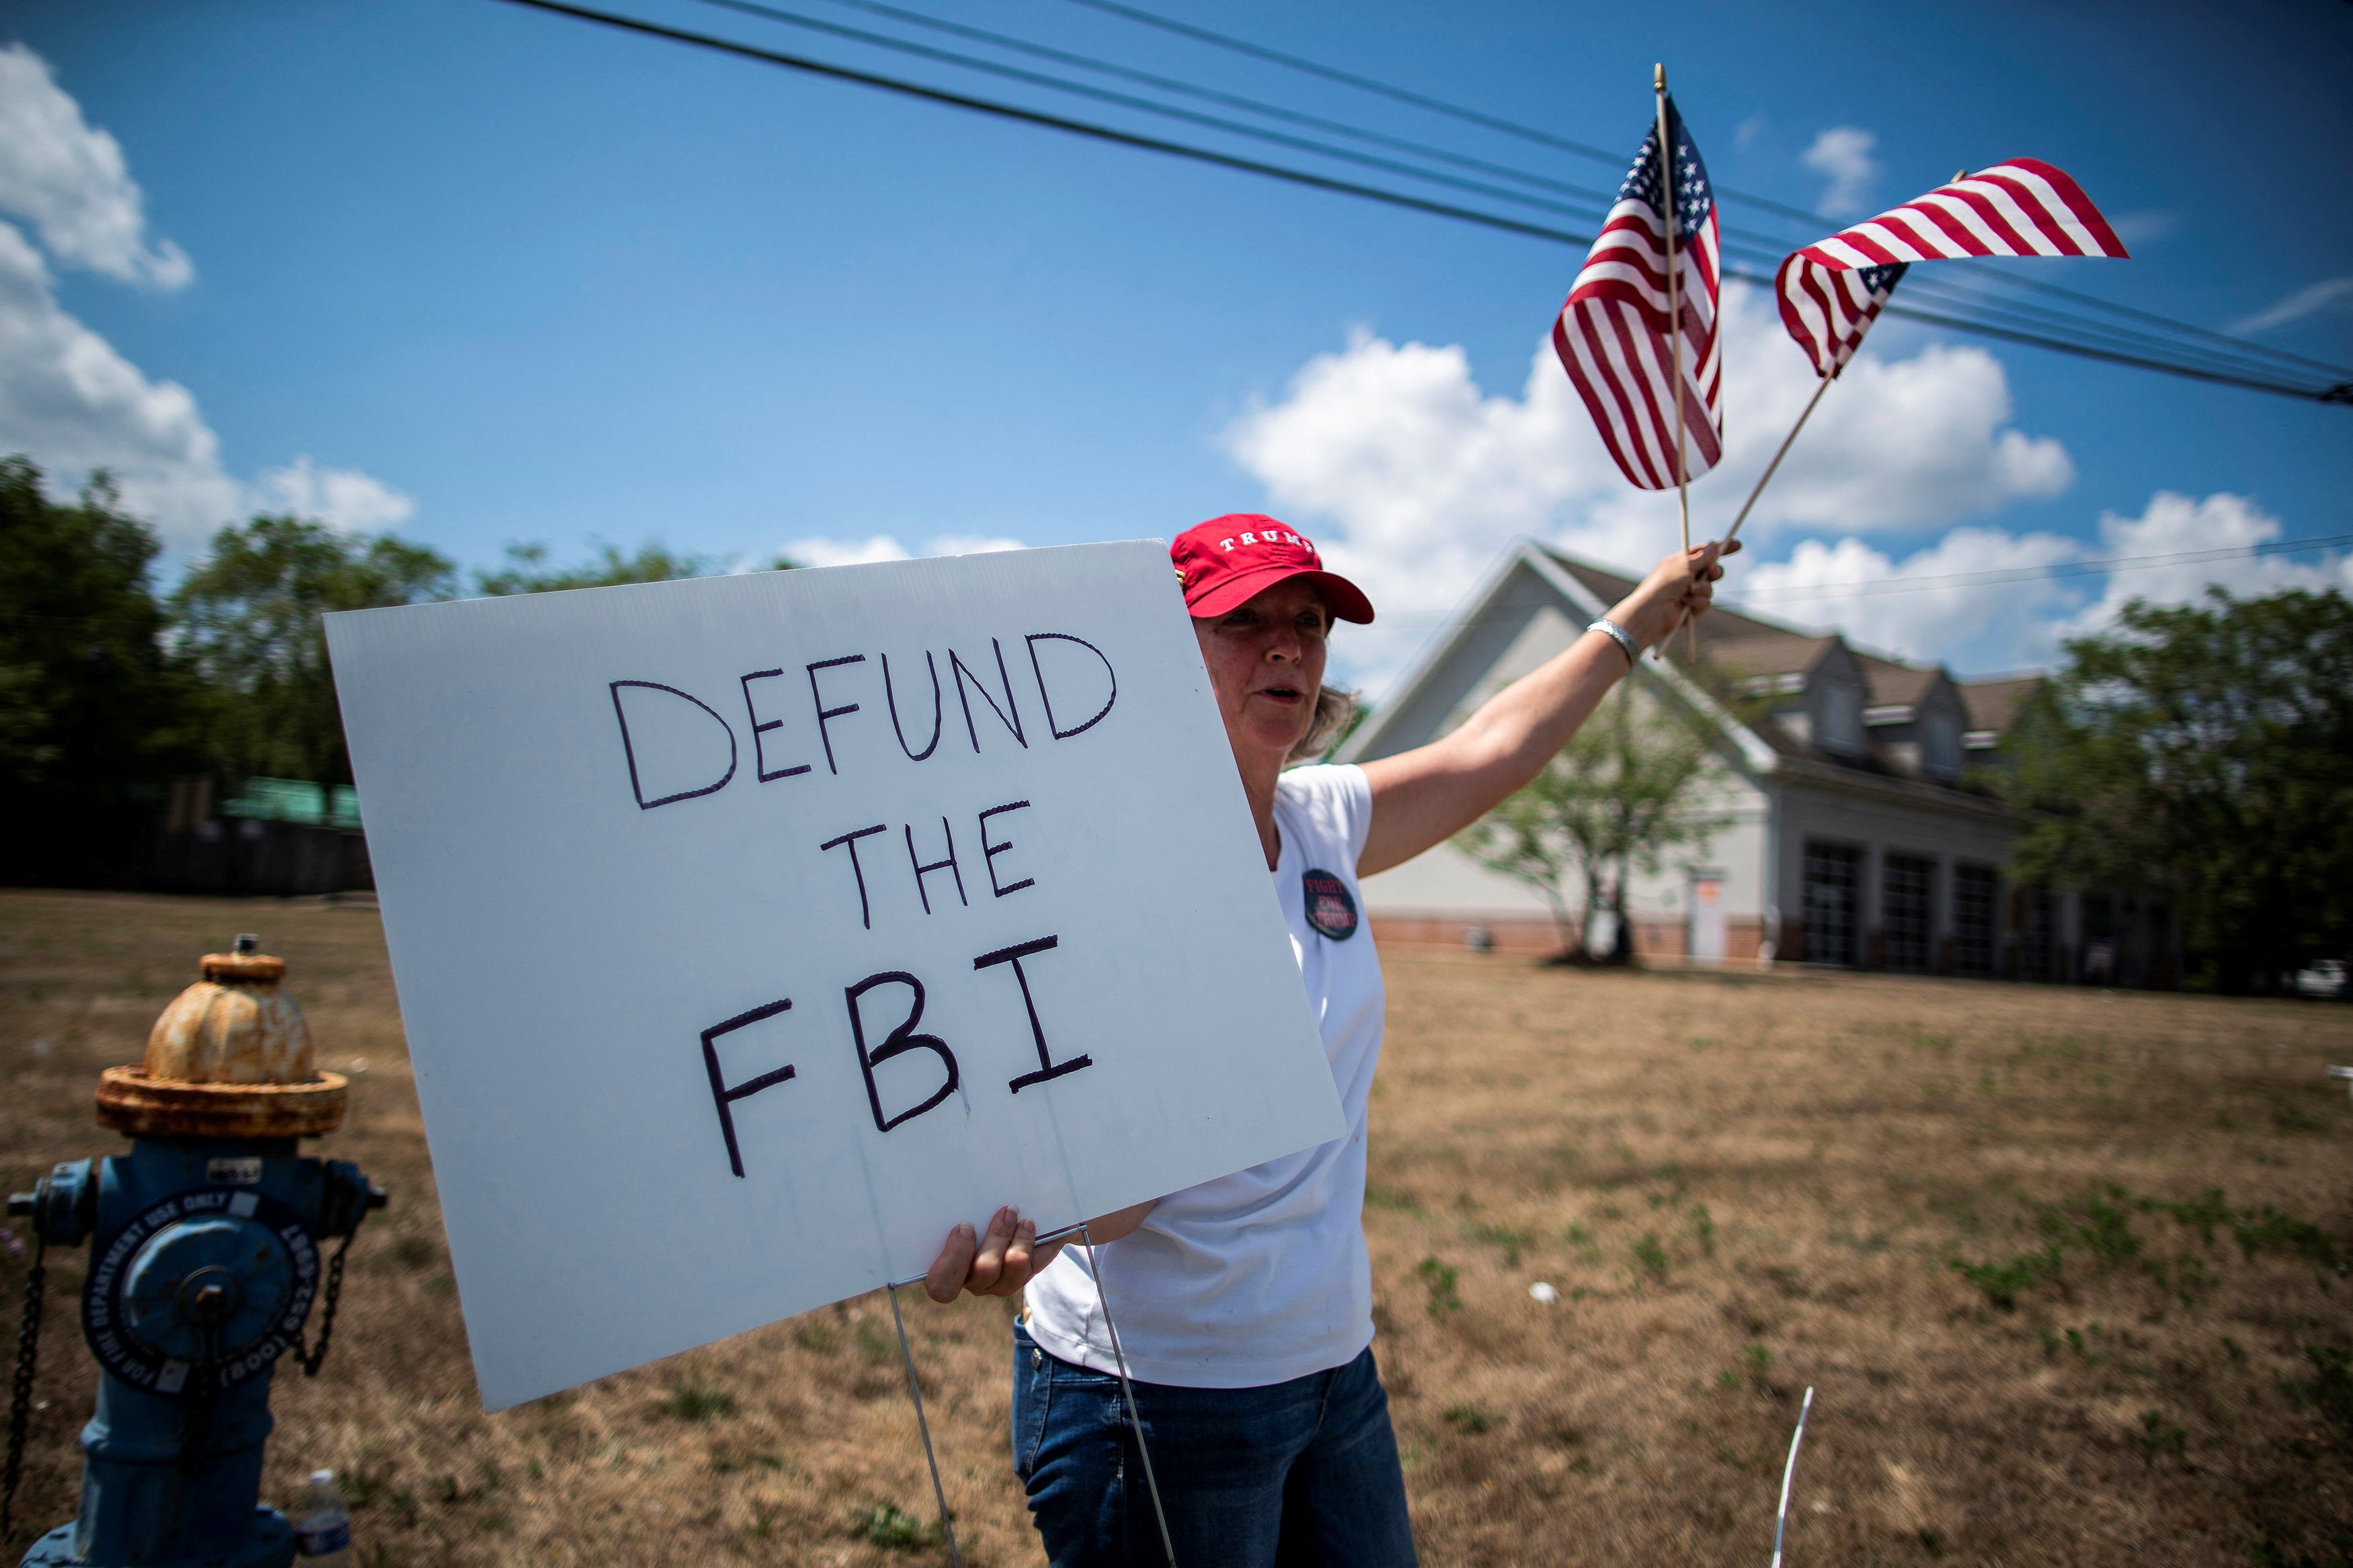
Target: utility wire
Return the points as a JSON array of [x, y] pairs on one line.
[[1592, 200], [2095, 567], [1767, 250], [1052, 122], [1167, 84], [2342, 393], [1583, 149], [1757, 599]]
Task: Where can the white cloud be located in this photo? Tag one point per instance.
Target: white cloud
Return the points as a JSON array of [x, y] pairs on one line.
[[2012, 624], [822, 552], [68, 400], [2308, 300], [2174, 524], [1969, 626], [1842, 154], [71, 403], [343, 497], [1413, 479], [1746, 133], [67, 179]]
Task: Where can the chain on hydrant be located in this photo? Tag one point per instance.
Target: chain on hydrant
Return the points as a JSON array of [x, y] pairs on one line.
[[204, 1264], [20, 1395]]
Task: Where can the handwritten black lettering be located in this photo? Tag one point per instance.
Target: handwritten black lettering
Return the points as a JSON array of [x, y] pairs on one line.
[[922, 871], [1048, 1068], [1034, 639], [960, 674], [898, 1042], [759, 755], [989, 852], [724, 1096], [890, 697], [865, 915], [825, 714], [629, 749]]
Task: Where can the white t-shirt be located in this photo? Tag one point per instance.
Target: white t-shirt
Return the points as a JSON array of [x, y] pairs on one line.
[[1259, 1277]]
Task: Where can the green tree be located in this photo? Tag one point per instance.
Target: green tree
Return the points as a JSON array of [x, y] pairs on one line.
[[246, 624], [2203, 754], [1623, 794], [526, 570], [88, 710]]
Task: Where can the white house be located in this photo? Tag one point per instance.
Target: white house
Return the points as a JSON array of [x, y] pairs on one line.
[[1857, 832]]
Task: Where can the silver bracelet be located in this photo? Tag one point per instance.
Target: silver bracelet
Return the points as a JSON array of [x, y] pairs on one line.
[[1620, 635]]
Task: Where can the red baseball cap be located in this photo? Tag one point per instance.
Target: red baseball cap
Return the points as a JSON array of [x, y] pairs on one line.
[[1230, 559]]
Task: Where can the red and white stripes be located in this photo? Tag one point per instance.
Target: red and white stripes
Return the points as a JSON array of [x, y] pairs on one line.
[[1832, 290], [1612, 338]]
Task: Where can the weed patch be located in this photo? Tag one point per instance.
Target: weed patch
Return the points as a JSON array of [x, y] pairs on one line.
[[884, 1525], [2002, 1282], [1439, 1280], [2158, 1436], [697, 1401]]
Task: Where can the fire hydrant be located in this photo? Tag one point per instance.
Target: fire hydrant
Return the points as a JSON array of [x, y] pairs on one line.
[[204, 1269]]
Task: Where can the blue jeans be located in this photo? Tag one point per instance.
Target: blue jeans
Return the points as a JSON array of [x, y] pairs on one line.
[[1285, 1476]]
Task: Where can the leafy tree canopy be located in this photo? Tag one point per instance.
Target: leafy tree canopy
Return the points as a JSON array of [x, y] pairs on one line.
[[247, 624], [89, 712], [2203, 754], [526, 570]]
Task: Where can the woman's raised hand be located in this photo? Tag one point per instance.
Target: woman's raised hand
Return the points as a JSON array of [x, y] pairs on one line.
[[1680, 587], [999, 1263]]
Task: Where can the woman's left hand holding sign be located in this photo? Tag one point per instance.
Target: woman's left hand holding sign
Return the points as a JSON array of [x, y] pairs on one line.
[[997, 1264], [1007, 1257]]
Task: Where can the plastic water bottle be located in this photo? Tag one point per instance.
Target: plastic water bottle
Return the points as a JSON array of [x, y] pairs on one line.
[[322, 1525]]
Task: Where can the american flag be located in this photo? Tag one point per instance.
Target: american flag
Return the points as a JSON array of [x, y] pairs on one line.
[[1833, 289], [1612, 333]]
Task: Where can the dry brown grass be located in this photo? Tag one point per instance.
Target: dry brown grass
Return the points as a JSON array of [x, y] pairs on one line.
[[1740, 1185]]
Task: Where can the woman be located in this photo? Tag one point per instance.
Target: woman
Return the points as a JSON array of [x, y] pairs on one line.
[[1244, 1305]]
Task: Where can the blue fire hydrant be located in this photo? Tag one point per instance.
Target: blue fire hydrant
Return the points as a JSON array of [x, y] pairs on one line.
[[204, 1266]]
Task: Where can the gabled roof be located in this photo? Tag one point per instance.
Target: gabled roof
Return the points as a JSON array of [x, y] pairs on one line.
[[1892, 683], [1532, 578], [1993, 705], [1727, 636]]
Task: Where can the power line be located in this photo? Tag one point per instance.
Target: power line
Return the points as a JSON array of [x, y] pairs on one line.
[[1052, 122], [1532, 133], [1167, 84], [1814, 592], [2118, 347], [1365, 83], [2342, 393], [1763, 245], [1591, 199], [2085, 568]]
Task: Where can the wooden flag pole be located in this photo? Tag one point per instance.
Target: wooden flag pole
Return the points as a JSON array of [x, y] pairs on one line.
[[1733, 531], [1674, 326], [1767, 477]]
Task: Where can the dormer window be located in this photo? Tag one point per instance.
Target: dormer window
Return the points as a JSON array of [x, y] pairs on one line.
[[1940, 750], [1840, 709]]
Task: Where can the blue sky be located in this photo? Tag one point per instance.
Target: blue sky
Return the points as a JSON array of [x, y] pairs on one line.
[[488, 275]]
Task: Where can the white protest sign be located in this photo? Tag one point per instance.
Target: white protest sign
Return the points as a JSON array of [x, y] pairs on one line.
[[751, 932]]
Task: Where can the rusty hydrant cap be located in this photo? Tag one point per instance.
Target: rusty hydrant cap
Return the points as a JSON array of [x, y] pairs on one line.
[[230, 1056], [242, 966]]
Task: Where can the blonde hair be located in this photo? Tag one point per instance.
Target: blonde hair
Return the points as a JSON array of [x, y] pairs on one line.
[[1333, 708]]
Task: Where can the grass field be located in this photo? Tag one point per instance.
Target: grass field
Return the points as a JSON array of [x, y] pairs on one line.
[[2070, 1271]]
